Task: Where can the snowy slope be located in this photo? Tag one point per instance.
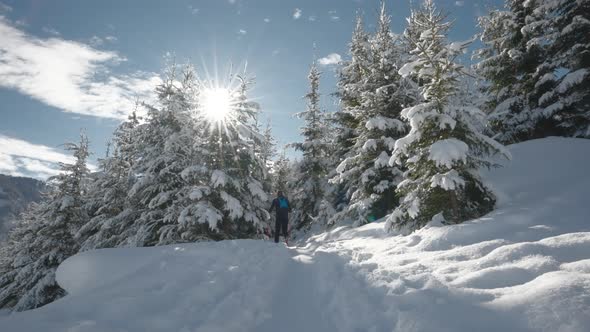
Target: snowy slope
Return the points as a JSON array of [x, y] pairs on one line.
[[523, 267]]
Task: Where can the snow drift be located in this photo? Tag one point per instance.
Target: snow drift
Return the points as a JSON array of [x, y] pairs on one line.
[[523, 267]]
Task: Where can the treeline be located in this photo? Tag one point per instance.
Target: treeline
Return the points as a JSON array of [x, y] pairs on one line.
[[412, 130]]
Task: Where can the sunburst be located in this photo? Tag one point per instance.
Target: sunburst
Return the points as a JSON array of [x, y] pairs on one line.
[[217, 103]]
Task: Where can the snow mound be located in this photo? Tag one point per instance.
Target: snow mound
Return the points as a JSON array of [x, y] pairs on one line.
[[523, 267], [223, 286]]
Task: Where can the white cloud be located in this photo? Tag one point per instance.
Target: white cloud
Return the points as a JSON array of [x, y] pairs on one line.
[[276, 52], [312, 18], [459, 3], [297, 14], [51, 31], [231, 1], [242, 32], [330, 59], [69, 75], [111, 39], [267, 20], [21, 158]]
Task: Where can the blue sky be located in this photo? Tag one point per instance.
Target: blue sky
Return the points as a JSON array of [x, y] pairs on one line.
[[69, 64]]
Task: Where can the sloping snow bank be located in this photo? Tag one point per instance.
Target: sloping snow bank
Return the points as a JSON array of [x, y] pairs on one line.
[[523, 267]]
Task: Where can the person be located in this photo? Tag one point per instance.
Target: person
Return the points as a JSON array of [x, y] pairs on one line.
[[283, 207]]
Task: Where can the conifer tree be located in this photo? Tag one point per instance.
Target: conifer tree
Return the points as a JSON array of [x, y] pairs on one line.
[[282, 174], [351, 77], [312, 170], [164, 144], [44, 237], [444, 147], [371, 180], [562, 29], [106, 202], [268, 146], [513, 63]]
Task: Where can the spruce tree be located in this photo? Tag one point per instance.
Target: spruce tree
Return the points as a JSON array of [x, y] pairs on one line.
[[231, 199], [282, 174], [513, 63], [563, 30], [312, 170], [268, 145], [106, 201], [371, 180], [164, 144], [44, 237], [351, 78], [444, 148]]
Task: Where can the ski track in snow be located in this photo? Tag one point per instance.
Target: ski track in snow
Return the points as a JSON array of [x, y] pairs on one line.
[[523, 267]]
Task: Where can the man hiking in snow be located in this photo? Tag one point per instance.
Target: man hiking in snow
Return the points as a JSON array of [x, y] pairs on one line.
[[282, 207]]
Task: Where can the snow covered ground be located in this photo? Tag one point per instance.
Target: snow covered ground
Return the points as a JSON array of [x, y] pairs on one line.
[[523, 267]]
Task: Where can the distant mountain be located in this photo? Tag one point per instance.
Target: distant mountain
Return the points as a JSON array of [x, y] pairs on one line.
[[15, 194]]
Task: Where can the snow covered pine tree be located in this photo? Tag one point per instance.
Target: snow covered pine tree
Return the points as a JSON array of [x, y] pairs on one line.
[[444, 148], [44, 237], [311, 180], [374, 101]]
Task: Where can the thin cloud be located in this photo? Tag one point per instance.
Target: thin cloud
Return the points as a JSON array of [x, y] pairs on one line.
[[69, 75], [267, 20], [4, 8], [333, 15], [96, 41], [51, 31], [21, 158], [312, 18], [193, 10], [111, 39], [459, 3], [242, 32], [330, 59], [297, 14]]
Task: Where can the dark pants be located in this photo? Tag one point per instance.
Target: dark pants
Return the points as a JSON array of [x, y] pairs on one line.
[[281, 225]]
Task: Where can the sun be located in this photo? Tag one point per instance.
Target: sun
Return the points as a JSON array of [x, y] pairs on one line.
[[216, 103]]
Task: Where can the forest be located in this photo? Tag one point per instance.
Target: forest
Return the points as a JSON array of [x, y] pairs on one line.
[[418, 119]]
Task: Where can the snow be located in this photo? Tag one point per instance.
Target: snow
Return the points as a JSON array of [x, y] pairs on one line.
[[232, 205], [256, 189], [218, 178], [447, 151], [369, 145], [199, 192], [383, 123], [447, 181], [572, 79], [523, 267], [409, 68]]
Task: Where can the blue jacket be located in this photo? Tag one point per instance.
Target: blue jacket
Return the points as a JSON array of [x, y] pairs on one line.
[[282, 213]]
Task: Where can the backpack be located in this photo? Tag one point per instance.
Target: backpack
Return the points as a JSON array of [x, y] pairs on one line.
[[283, 203]]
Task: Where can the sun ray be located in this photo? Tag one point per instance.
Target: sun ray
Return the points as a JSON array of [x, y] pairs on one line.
[[217, 103]]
